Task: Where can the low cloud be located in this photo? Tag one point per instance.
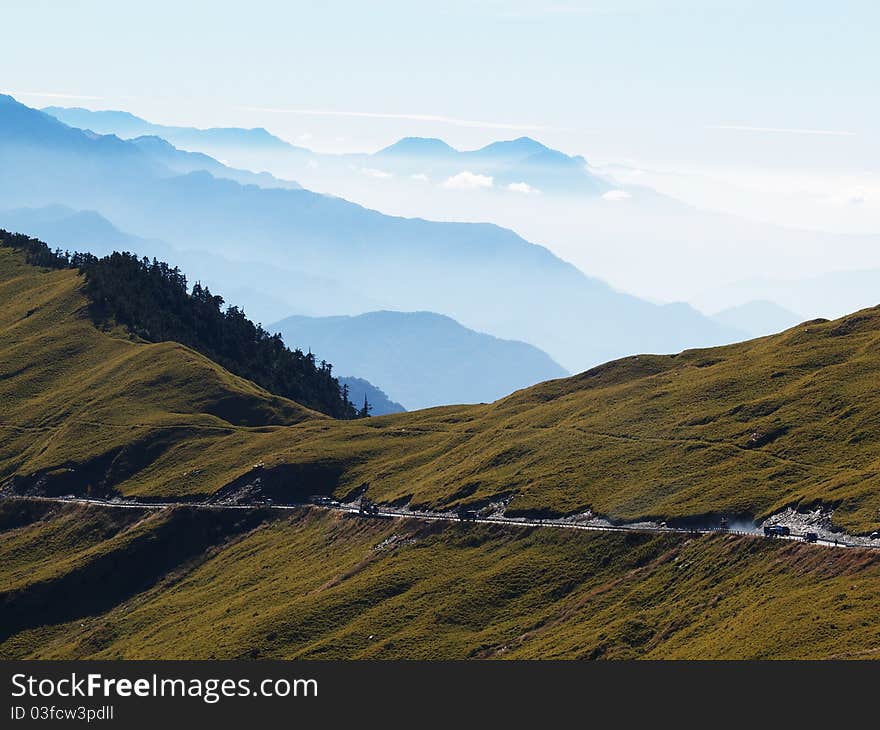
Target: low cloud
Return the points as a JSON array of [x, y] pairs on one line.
[[523, 187], [376, 174], [616, 195], [468, 181]]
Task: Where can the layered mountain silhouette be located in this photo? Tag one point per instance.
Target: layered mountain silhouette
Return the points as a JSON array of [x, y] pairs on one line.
[[522, 161], [214, 140], [758, 318], [486, 277], [360, 390], [422, 359], [263, 291]]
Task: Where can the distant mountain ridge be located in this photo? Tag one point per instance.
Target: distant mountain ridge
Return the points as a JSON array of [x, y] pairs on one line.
[[511, 162], [264, 291], [423, 359], [377, 399], [486, 277], [758, 318], [508, 162], [125, 124]]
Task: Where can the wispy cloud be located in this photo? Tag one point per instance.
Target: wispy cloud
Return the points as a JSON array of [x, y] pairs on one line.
[[56, 95], [439, 118], [785, 130], [468, 181]]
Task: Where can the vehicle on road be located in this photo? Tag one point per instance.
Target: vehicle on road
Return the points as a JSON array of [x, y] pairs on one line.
[[467, 515], [811, 537], [776, 531], [326, 501], [368, 507]]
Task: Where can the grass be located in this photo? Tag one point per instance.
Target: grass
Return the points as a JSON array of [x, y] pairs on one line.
[[321, 585], [787, 420]]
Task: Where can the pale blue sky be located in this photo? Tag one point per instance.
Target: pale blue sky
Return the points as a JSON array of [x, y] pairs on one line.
[[617, 79]]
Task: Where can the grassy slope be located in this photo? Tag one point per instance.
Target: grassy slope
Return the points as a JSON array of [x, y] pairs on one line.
[[73, 396], [321, 585], [750, 428]]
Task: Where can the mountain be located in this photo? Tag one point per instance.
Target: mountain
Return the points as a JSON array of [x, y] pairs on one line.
[[758, 318], [829, 295], [423, 359], [126, 125], [748, 430], [511, 162], [153, 302], [745, 430], [417, 147], [486, 277], [261, 290], [181, 163], [380, 403]]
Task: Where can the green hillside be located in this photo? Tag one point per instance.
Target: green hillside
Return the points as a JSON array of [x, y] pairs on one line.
[[786, 420], [197, 584]]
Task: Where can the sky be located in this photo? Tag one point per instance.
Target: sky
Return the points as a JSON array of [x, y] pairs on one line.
[[763, 109], [784, 83]]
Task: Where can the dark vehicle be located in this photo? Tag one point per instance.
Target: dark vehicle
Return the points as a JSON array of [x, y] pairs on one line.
[[776, 531], [267, 502], [724, 524], [874, 535], [368, 507], [811, 537], [467, 515]]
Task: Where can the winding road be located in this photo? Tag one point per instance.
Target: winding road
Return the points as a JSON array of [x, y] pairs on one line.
[[595, 525]]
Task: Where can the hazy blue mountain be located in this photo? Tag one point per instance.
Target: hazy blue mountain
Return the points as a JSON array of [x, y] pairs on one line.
[[423, 359], [522, 160], [380, 403], [418, 147], [128, 125], [758, 318], [263, 291], [77, 230], [486, 277], [182, 162]]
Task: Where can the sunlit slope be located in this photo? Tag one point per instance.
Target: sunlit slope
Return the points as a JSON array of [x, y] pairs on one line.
[[105, 406], [787, 420], [792, 419], [321, 585]]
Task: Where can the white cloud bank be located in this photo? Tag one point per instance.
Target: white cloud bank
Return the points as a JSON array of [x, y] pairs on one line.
[[616, 195], [376, 174], [523, 187], [468, 181]]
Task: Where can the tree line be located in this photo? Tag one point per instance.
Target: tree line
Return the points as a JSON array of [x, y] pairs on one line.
[[153, 300]]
